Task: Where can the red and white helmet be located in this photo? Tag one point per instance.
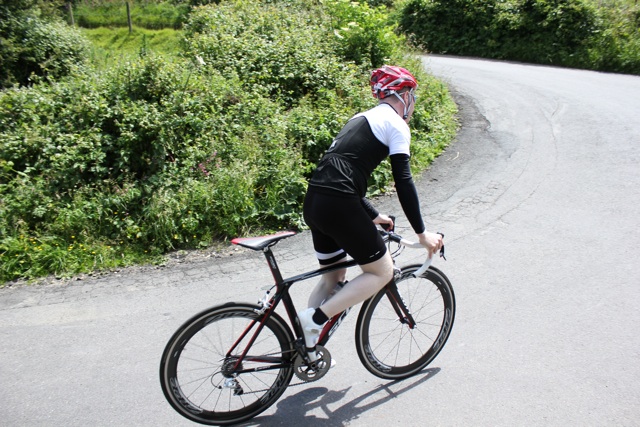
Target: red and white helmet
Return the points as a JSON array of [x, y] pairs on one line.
[[389, 79]]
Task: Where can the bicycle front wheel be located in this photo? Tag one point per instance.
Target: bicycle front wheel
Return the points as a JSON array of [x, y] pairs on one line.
[[387, 347], [211, 375]]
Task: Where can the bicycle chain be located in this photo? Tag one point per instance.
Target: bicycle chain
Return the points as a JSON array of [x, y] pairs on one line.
[[267, 389], [325, 355]]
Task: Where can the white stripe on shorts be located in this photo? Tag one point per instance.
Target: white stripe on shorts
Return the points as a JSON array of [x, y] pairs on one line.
[[322, 256]]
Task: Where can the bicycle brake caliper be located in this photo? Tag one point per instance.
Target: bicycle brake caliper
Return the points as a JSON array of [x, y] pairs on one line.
[[397, 273]]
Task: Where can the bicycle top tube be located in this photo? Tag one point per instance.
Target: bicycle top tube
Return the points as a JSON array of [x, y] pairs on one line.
[[264, 244]]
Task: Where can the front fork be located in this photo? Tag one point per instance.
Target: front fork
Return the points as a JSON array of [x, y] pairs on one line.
[[397, 302]]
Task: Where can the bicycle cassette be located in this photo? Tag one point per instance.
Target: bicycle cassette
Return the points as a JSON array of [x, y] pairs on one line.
[[316, 370]]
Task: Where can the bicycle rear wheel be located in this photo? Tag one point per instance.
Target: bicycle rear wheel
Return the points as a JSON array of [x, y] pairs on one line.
[[387, 347], [198, 372]]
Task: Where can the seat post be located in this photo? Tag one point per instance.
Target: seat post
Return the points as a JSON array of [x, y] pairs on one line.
[[273, 265]]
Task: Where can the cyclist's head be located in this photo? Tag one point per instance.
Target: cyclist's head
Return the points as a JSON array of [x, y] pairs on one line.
[[389, 80]]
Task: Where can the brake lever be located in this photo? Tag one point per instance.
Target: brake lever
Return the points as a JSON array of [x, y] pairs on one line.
[[387, 227], [442, 248]]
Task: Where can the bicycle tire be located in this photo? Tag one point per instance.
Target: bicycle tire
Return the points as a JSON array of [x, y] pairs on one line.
[[387, 347], [191, 368]]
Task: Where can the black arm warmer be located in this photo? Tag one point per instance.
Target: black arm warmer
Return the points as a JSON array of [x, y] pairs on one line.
[[407, 193], [366, 204]]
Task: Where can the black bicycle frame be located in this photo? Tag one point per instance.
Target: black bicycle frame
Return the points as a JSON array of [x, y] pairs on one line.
[[282, 295]]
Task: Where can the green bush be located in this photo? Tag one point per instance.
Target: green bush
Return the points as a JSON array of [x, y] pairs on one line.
[[364, 35], [33, 48], [23, 8], [575, 33], [279, 51], [149, 157], [454, 26], [153, 155], [553, 31], [618, 46]]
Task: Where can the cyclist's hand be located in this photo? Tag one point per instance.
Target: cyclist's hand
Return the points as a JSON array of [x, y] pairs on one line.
[[432, 241], [384, 219]]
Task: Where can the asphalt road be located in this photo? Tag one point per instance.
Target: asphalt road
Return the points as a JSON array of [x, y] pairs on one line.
[[539, 200]]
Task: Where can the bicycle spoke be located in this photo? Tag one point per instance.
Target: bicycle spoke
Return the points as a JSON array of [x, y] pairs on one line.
[[207, 349], [204, 380], [436, 323]]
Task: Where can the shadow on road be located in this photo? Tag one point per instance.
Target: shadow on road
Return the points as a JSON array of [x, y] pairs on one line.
[[293, 409]]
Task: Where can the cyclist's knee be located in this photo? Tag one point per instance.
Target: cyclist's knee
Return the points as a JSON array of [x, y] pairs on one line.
[[387, 275], [382, 269]]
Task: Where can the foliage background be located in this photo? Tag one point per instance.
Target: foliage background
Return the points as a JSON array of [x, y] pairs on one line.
[[599, 35], [32, 46], [205, 121], [123, 158]]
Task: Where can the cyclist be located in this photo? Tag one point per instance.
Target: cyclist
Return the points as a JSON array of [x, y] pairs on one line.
[[341, 219]]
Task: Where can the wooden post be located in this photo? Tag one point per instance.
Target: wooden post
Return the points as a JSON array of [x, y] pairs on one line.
[[129, 18], [70, 7]]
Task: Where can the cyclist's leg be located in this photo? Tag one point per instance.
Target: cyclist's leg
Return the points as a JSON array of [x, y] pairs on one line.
[[319, 213], [326, 285], [375, 276], [339, 225]]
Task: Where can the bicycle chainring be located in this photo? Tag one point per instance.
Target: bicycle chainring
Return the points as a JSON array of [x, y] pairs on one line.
[[316, 370]]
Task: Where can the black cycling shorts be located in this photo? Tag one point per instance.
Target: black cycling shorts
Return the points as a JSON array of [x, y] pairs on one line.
[[339, 224]]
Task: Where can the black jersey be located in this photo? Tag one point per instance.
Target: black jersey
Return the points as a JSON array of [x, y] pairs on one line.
[[358, 150], [350, 160], [362, 144]]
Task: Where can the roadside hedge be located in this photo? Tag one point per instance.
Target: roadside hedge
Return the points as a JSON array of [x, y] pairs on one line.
[[102, 169], [32, 48], [574, 33]]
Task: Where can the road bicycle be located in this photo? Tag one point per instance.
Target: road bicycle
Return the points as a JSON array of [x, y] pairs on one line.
[[231, 362]]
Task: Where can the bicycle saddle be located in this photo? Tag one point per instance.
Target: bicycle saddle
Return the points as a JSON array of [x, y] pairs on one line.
[[259, 243]]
